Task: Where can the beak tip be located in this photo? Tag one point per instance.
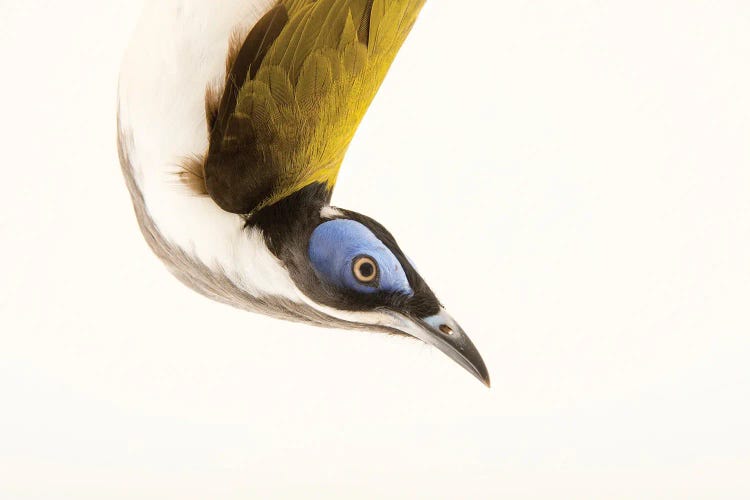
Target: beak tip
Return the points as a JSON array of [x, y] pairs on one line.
[[442, 332], [483, 375]]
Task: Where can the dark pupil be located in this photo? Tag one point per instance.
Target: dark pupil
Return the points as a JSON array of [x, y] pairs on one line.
[[366, 270]]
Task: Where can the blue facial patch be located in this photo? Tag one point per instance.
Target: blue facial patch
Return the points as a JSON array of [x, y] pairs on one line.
[[335, 247]]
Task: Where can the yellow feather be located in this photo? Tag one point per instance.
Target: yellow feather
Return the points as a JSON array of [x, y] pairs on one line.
[[278, 82], [315, 84], [315, 80], [376, 18], [349, 33]]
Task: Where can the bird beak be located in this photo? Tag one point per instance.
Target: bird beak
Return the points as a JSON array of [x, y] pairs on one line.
[[443, 332]]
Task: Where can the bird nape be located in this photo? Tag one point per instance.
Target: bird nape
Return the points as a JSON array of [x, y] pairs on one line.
[[233, 122]]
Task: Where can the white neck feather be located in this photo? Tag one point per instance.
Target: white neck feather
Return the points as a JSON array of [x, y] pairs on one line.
[[178, 50]]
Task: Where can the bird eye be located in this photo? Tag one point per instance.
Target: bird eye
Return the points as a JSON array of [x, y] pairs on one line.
[[365, 269], [348, 255]]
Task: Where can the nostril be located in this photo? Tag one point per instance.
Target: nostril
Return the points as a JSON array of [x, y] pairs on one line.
[[447, 330]]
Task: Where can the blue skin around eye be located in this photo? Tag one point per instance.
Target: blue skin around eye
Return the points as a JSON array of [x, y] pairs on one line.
[[335, 245]]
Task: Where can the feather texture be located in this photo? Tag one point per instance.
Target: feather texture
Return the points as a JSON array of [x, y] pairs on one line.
[[295, 100]]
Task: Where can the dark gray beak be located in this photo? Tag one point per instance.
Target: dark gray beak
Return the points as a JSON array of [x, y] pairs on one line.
[[443, 332]]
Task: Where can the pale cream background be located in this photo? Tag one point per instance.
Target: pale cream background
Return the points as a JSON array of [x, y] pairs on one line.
[[573, 178]]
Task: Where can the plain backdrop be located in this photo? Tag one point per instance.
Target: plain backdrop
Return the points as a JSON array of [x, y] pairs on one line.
[[572, 178]]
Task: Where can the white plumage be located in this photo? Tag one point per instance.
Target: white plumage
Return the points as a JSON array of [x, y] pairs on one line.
[[179, 49]]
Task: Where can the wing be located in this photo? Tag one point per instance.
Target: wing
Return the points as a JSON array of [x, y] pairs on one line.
[[297, 91]]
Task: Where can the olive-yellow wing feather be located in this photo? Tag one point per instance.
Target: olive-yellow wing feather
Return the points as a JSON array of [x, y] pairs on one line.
[[298, 90]]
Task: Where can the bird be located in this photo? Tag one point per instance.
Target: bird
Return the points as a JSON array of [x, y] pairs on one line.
[[233, 120]]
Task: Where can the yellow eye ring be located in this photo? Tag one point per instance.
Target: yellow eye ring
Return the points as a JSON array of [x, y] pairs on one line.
[[365, 269]]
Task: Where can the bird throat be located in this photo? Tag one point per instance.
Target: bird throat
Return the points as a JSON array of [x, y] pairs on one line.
[[289, 222]]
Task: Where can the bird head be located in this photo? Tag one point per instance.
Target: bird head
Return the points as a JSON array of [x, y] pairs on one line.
[[349, 267]]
